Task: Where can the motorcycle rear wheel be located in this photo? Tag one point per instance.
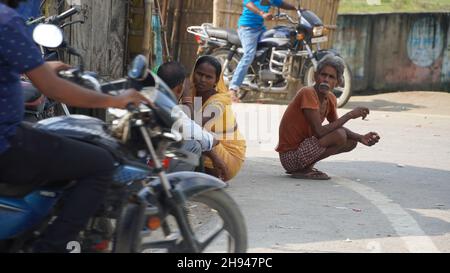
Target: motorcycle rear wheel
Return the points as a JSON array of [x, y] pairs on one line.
[[342, 93], [228, 68]]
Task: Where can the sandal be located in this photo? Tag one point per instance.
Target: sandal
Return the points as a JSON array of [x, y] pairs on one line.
[[314, 174]]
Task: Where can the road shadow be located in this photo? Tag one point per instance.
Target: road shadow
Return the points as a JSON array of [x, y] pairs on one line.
[[383, 105], [282, 211]]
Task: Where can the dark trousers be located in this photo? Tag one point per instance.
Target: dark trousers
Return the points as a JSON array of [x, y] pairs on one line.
[[38, 157]]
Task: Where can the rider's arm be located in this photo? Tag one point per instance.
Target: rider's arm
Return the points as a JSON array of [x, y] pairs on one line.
[[287, 6], [251, 6], [46, 80]]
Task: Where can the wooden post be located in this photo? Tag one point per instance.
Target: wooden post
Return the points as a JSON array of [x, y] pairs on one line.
[[216, 13], [147, 41]]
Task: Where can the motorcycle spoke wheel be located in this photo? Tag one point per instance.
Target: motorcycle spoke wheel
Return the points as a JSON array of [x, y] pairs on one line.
[[216, 223], [228, 68]]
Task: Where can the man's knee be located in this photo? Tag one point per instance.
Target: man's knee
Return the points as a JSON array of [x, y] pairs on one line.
[[340, 136], [351, 144], [192, 146]]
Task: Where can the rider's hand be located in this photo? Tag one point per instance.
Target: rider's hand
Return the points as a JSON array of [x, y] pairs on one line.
[[267, 16], [130, 96], [58, 66], [359, 112], [369, 139]]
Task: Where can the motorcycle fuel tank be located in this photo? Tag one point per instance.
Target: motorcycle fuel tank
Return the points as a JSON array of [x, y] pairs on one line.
[[279, 36]]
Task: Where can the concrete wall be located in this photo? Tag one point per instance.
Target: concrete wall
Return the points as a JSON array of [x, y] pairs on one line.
[[396, 51]]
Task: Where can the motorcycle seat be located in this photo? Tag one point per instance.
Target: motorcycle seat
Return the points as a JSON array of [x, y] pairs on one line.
[[30, 93], [11, 190], [230, 35]]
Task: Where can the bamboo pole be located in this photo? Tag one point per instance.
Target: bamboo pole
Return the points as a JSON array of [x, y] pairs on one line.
[[148, 33], [176, 26]]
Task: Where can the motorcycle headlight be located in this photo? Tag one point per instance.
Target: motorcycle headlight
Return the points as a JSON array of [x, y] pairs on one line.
[[318, 31]]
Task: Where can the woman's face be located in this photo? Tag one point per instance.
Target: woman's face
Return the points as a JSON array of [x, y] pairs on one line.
[[205, 78]]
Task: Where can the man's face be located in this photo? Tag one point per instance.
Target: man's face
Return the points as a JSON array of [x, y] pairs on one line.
[[326, 79]]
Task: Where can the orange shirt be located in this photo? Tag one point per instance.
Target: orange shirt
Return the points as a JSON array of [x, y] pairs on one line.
[[294, 127]]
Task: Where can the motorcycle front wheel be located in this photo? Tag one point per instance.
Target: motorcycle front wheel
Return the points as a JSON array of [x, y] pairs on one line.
[[342, 92], [214, 220]]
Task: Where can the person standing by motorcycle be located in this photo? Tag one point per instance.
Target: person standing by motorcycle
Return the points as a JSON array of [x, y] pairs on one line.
[[31, 157], [303, 140], [250, 28]]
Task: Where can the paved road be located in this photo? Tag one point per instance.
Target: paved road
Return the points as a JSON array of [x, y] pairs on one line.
[[393, 197]]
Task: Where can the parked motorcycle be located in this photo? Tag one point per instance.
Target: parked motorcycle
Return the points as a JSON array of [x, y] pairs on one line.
[[284, 57], [189, 211], [37, 106]]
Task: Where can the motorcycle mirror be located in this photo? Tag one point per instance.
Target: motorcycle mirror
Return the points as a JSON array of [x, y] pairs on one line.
[[48, 35]]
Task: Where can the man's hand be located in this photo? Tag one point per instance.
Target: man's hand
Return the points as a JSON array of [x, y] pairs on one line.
[[369, 139], [222, 169], [58, 66], [358, 112], [130, 96], [267, 16]]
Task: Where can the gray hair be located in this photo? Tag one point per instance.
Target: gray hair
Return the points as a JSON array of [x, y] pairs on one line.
[[334, 61]]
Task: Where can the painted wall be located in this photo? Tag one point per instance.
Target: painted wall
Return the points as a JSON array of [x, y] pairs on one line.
[[396, 51]]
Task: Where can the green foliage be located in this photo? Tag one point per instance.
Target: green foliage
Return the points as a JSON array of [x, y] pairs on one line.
[[381, 6]]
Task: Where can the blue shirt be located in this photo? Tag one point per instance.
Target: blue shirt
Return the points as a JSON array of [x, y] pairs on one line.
[[251, 19], [18, 54]]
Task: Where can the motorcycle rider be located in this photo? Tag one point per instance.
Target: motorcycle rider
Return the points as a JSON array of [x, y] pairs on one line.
[[250, 28], [33, 157]]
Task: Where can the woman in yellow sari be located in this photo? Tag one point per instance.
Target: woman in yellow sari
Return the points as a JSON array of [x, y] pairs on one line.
[[207, 86]]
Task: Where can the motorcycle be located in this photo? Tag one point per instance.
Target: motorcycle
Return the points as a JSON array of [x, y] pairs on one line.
[[190, 212], [285, 55], [37, 106]]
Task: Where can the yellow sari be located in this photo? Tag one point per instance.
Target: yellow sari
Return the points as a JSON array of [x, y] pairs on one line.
[[231, 147]]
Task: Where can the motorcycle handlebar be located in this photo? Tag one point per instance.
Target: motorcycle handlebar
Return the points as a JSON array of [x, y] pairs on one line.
[[58, 18], [68, 13], [284, 16]]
